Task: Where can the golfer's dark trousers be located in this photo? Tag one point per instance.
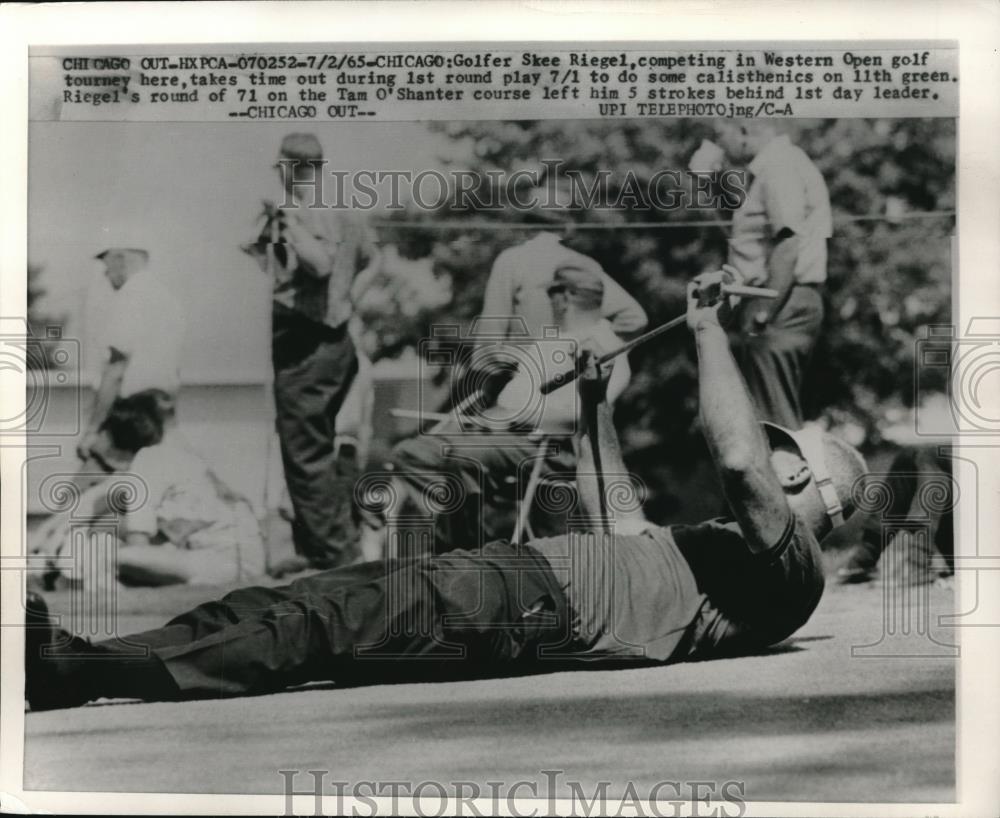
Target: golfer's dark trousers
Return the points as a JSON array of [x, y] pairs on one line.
[[470, 484], [774, 362], [437, 617], [314, 366]]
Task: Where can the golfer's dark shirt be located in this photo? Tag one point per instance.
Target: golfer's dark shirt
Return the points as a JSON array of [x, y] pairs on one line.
[[684, 590], [750, 600]]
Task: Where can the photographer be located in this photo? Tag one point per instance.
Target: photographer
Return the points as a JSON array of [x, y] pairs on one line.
[[313, 255]]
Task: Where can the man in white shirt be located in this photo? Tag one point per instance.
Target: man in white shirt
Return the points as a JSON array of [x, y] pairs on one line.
[[143, 339], [517, 289], [779, 238], [494, 445], [575, 295]]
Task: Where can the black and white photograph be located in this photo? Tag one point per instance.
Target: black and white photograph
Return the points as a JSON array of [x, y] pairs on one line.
[[516, 427]]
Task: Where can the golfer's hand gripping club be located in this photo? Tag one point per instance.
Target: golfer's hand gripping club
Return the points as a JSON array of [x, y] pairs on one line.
[[709, 291], [710, 299], [594, 375]]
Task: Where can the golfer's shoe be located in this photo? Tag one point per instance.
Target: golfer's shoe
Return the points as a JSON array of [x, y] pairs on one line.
[[46, 684]]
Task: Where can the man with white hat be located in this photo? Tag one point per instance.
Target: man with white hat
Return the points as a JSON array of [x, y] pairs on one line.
[[141, 342]]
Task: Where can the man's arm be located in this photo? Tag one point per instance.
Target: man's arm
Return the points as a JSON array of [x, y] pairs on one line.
[[624, 313], [735, 437], [140, 523], [111, 383], [784, 195], [364, 279], [621, 374], [781, 277], [592, 474], [315, 255], [498, 300], [372, 255]]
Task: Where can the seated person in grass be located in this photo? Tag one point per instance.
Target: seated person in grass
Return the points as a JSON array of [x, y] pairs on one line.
[[178, 523]]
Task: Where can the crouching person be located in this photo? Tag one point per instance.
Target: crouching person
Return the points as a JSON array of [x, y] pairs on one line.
[[181, 524]]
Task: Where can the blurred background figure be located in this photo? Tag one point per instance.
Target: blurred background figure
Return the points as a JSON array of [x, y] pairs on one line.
[[390, 298], [917, 522], [182, 524], [140, 347], [313, 254], [520, 276], [778, 240]]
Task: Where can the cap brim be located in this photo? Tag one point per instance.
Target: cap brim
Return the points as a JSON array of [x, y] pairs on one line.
[[779, 434], [142, 250], [299, 158]]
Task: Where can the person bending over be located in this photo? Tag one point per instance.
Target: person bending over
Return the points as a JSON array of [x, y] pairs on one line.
[[661, 594], [182, 524]]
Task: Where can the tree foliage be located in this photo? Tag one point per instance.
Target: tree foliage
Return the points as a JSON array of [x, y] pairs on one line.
[[889, 272]]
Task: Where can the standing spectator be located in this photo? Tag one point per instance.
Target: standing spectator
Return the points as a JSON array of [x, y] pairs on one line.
[[778, 240], [314, 254], [141, 344]]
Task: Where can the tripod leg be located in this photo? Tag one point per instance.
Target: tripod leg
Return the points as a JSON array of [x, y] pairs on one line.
[[529, 492]]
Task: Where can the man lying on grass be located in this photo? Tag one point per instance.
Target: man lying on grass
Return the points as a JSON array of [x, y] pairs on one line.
[[723, 586]]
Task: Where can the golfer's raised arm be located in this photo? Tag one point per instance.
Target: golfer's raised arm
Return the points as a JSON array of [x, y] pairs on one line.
[[594, 475], [734, 435]]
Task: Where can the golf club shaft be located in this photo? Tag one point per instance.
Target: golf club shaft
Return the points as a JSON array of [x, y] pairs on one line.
[[571, 375]]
